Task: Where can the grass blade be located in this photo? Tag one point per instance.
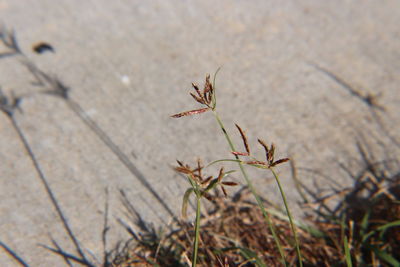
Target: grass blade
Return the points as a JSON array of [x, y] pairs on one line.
[[381, 229], [292, 226], [223, 160], [250, 255], [386, 257], [196, 232], [347, 253], [185, 202]]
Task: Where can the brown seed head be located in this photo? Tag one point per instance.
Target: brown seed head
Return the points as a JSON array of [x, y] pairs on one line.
[[198, 99], [191, 112], [270, 154], [263, 144], [240, 153], [221, 174], [279, 161], [256, 162], [244, 138], [230, 183]]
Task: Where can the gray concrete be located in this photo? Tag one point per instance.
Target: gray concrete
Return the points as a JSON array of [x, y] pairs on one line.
[[129, 65]]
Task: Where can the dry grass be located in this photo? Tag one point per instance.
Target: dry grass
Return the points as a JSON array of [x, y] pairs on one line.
[[234, 232]]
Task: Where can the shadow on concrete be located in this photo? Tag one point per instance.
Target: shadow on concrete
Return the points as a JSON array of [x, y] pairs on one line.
[[9, 106], [51, 85], [13, 254]]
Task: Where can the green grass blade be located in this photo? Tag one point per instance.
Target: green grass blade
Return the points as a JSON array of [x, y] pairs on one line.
[[212, 185], [381, 229], [185, 202], [228, 172], [292, 226], [223, 160], [347, 253], [386, 257], [342, 228], [388, 225], [248, 254], [214, 99], [196, 232], [313, 231], [365, 223]]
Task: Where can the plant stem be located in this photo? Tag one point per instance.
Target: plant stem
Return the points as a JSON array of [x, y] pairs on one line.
[[197, 232], [251, 187], [290, 217]]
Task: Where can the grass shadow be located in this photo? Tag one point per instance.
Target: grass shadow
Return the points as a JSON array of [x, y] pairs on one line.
[[8, 105]]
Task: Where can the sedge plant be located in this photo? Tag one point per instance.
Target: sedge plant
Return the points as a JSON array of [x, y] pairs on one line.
[[200, 187], [207, 98]]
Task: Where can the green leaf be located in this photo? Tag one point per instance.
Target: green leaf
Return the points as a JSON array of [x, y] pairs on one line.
[[381, 229], [228, 172], [186, 201], [248, 254], [365, 222], [214, 99], [386, 257], [213, 184], [312, 230], [259, 166], [223, 160], [384, 227], [347, 252], [251, 255], [193, 184]]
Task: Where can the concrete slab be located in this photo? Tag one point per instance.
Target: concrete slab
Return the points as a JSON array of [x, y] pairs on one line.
[[129, 65]]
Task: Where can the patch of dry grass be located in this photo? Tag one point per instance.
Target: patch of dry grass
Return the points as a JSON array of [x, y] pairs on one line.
[[234, 233]]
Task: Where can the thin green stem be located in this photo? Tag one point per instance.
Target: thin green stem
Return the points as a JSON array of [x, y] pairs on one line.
[[290, 217], [251, 187], [196, 231]]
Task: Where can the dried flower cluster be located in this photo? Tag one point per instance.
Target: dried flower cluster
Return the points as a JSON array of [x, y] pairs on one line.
[[204, 184], [269, 153], [205, 98]]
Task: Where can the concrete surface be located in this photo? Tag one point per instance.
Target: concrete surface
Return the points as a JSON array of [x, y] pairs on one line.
[[129, 65]]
